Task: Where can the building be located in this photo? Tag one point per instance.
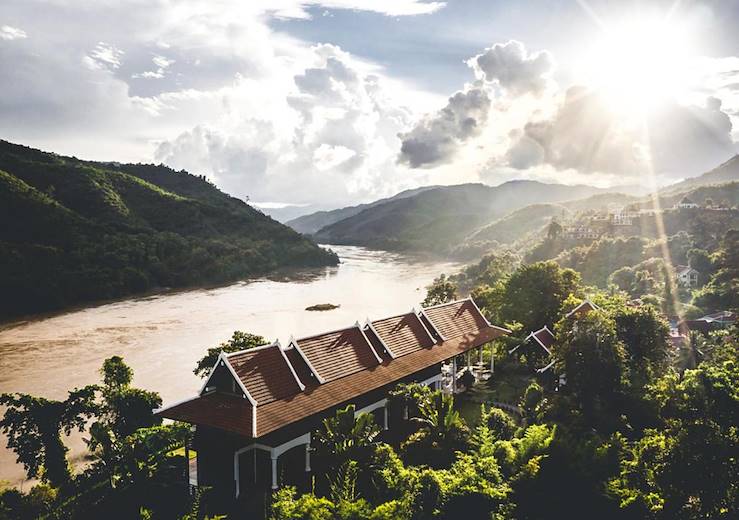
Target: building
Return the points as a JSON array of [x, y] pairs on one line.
[[708, 323], [581, 233], [581, 310], [687, 203], [254, 416], [686, 276]]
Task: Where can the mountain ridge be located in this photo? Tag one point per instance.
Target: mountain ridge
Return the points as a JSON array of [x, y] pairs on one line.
[[81, 231]]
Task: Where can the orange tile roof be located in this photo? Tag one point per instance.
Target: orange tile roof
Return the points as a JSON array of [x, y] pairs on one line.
[[456, 318], [318, 398], [339, 353], [403, 334], [346, 363], [265, 373]]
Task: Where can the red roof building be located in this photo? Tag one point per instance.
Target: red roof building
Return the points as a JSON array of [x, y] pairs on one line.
[[269, 399]]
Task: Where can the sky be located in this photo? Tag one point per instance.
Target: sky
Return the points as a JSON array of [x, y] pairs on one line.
[[311, 104]]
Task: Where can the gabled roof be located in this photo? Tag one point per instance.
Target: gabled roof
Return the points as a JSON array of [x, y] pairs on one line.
[[313, 374], [403, 334], [265, 372], [543, 337], [338, 353], [457, 318], [683, 269], [230, 413], [582, 309]]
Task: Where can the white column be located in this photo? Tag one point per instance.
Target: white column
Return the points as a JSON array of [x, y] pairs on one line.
[[307, 458], [480, 360], [454, 375], [405, 412], [492, 358], [469, 364], [274, 472], [384, 417]]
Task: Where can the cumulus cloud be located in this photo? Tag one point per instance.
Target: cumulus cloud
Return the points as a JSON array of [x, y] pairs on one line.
[[337, 135], [162, 64], [9, 33], [585, 135], [514, 68], [103, 56], [505, 69], [436, 138]]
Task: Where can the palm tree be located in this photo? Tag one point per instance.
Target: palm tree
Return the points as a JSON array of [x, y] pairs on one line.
[[442, 431], [346, 436]]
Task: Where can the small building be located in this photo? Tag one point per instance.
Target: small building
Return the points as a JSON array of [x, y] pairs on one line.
[[581, 310], [254, 416], [687, 203], [708, 323], [686, 276], [581, 233], [542, 338]]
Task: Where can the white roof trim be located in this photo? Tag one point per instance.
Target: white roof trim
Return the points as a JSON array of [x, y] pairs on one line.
[[431, 322], [413, 310], [544, 369], [533, 335], [447, 303], [508, 331], [252, 349], [176, 403], [290, 366], [377, 357], [313, 370], [238, 380], [371, 327], [578, 307]]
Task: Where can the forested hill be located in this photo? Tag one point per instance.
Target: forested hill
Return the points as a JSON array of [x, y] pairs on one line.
[[311, 223], [76, 231], [440, 218]]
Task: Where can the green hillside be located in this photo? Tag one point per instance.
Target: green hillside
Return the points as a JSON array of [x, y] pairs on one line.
[[77, 231], [441, 218], [309, 224]]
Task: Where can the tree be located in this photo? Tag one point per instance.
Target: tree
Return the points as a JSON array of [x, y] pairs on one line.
[[554, 230], [441, 290], [499, 423], [442, 431], [34, 426], [645, 337], [239, 341], [593, 358], [346, 436], [534, 294]]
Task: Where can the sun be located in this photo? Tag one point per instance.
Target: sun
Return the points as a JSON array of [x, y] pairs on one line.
[[638, 63]]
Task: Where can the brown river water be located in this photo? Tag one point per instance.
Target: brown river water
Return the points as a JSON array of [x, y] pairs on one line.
[[162, 336]]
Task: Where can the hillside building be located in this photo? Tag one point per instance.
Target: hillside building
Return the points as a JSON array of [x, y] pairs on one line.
[[254, 416]]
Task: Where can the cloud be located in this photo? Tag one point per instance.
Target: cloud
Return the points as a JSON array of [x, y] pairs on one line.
[[335, 131], [436, 138], [586, 136], [505, 69], [162, 65], [103, 56], [9, 33], [513, 68]]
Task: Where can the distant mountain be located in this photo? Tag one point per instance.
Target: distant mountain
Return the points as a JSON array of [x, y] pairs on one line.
[[726, 172], [76, 231], [309, 224], [440, 218], [519, 223]]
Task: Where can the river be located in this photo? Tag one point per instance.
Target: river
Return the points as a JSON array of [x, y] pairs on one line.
[[162, 336]]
